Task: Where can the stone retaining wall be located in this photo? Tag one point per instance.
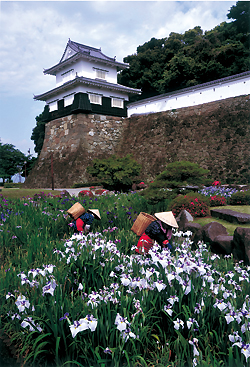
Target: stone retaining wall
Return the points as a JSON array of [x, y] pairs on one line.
[[74, 141], [215, 135]]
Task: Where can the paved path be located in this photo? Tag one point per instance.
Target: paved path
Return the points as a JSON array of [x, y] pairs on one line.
[[74, 192]]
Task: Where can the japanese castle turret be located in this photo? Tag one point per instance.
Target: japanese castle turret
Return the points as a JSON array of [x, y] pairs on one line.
[[86, 82]]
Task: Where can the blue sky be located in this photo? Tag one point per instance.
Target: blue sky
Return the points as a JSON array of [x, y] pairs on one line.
[[33, 36]]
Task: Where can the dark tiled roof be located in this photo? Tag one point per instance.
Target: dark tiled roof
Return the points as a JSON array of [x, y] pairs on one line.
[[86, 81], [83, 51]]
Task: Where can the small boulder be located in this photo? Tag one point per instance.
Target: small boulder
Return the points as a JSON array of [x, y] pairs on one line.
[[212, 230], [209, 232], [222, 245], [183, 219], [241, 244]]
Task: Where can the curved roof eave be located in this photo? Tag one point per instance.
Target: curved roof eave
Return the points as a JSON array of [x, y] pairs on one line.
[[81, 80], [73, 58]]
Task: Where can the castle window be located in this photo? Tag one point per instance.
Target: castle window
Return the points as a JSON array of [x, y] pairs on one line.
[[69, 99], [68, 75], [95, 98], [117, 102], [53, 106], [100, 74]]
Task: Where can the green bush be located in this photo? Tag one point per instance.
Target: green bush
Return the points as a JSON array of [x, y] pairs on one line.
[[175, 176], [155, 195], [196, 204], [240, 198], [11, 185], [179, 174], [115, 173]]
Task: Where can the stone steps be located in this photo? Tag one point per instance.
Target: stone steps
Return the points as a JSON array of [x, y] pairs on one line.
[[230, 216]]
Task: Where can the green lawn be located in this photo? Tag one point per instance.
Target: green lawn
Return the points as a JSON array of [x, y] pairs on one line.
[[229, 226], [15, 193]]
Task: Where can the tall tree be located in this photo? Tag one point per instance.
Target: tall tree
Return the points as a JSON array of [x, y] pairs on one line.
[[11, 161], [38, 132], [241, 15], [195, 57]]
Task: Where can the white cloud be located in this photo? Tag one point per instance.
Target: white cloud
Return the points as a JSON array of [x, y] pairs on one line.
[[33, 36]]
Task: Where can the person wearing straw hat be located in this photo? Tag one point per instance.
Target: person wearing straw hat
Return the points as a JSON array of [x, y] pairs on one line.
[[159, 230], [82, 220]]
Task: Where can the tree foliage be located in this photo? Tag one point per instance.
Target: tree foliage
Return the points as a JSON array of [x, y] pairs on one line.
[[38, 132], [195, 57], [27, 167], [11, 161], [115, 173]]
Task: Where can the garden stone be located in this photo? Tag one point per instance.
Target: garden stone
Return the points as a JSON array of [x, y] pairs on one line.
[[193, 227], [209, 232], [222, 245], [183, 218], [241, 249], [230, 215]]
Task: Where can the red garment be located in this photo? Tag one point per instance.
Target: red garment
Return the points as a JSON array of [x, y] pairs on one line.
[[144, 244], [80, 224]]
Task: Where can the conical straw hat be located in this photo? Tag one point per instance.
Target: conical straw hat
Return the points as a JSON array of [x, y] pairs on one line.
[[76, 210], [95, 212], [168, 218]]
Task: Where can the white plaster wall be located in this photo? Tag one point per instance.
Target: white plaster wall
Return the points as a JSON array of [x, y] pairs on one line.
[[182, 98], [86, 69]]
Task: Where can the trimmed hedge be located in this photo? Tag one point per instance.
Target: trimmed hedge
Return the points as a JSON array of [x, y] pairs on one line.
[[240, 198]]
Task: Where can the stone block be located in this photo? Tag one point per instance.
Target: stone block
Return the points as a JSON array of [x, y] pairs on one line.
[[222, 244], [241, 244]]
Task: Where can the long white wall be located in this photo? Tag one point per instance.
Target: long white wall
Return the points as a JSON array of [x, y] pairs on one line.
[[232, 86]]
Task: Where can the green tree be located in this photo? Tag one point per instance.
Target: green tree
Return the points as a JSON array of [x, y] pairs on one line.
[[241, 15], [115, 173], [11, 160], [195, 57], [38, 132]]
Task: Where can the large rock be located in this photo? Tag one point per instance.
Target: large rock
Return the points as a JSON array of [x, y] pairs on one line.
[[183, 219], [230, 215], [241, 244], [209, 232], [222, 245]]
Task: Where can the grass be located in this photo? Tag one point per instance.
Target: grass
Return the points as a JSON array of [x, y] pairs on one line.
[[229, 226], [15, 193]]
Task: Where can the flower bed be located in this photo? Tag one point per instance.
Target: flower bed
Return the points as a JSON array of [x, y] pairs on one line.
[[91, 299], [86, 193]]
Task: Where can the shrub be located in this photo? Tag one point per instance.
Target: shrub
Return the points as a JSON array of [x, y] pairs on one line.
[[179, 174], [176, 175], [155, 195], [86, 193], [240, 198], [217, 200], [197, 205], [115, 173]]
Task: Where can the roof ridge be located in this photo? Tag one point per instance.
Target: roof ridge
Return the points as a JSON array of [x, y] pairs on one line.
[[77, 44]]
